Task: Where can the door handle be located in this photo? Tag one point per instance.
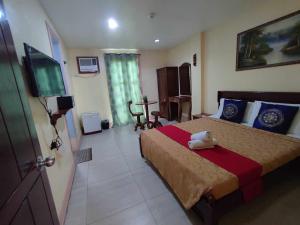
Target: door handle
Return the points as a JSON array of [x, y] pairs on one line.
[[42, 163]]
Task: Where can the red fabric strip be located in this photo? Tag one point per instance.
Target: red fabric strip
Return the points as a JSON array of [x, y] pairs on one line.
[[248, 171]]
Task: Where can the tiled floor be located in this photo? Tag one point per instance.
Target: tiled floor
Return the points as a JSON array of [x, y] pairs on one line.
[[118, 188]]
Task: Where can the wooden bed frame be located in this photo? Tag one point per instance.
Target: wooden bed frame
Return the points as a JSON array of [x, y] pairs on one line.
[[208, 207]]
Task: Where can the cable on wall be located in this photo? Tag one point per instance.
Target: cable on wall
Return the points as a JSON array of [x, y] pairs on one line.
[[57, 142]]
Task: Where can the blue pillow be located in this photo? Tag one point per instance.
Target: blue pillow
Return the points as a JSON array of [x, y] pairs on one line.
[[275, 118], [233, 110]]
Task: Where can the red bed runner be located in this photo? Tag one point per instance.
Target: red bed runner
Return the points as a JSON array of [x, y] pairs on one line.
[[248, 171]]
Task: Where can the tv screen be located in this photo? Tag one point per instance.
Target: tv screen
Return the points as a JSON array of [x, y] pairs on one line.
[[45, 73]]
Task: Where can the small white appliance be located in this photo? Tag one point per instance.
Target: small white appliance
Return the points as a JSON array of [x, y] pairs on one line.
[[91, 123]]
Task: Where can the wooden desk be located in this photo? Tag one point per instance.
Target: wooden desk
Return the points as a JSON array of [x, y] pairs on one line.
[[179, 100], [146, 104]]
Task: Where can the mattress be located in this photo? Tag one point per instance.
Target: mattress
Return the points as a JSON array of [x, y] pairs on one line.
[[191, 176]]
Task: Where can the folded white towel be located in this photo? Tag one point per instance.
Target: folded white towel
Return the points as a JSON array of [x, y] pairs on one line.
[[200, 144], [203, 136]]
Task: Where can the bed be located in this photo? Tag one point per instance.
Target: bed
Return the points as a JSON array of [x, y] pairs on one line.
[[204, 186]]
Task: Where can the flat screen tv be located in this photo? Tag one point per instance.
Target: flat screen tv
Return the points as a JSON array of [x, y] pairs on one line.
[[45, 73]]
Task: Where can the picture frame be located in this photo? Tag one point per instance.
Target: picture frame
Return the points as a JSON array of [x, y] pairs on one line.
[[88, 64], [275, 43]]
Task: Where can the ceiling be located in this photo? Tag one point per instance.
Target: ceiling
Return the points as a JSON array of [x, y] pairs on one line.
[[83, 23]]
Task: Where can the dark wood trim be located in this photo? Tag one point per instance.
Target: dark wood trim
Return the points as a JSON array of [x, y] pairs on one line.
[[140, 142], [183, 82], [55, 116], [87, 57], [195, 59], [186, 64], [168, 85], [9, 209], [237, 68], [251, 96], [179, 100], [211, 210]]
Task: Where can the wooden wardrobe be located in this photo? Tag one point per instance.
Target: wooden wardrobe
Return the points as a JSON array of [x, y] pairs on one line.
[[167, 82]]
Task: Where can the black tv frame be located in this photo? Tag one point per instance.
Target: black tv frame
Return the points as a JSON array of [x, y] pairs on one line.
[[32, 81]]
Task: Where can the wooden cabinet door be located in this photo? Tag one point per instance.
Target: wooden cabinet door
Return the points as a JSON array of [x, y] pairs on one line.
[[162, 91], [173, 85], [173, 90], [185, 79], [25, 196]]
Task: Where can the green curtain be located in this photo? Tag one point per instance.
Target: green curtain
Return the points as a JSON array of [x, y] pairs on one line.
[[124, 85]]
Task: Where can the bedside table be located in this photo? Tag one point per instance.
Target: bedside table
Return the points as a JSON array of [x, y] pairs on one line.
[[201, 115]]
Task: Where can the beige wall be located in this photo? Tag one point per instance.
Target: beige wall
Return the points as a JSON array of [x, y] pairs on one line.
[[27, 21], [184, 53], [219, 68], [91, 91], [150, 61]]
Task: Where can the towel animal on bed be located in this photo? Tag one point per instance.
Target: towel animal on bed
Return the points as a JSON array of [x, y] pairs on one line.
[[202, 140]]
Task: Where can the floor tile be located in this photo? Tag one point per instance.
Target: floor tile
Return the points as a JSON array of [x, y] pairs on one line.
[[137, 215], [164, 206], [81, 175], [149, 183], [166, 210], [108, 198], [106, 169], [135, 162], [76, 213], [75, 220]]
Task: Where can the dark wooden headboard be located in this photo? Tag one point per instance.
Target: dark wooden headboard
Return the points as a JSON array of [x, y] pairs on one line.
[[251, 96]]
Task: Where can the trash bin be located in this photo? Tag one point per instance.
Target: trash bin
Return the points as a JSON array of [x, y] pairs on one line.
[[105, 124]]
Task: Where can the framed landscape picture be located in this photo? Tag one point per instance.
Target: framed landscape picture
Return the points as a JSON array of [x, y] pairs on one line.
[[275, 43]]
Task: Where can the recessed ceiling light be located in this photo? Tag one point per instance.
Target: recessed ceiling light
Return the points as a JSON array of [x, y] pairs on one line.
[[156, 41], [112, 24]]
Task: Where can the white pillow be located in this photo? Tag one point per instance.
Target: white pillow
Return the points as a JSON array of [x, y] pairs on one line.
[[248, 112], [220, 109], [294, 135], [245, 124], [295, 126], [255, 110]]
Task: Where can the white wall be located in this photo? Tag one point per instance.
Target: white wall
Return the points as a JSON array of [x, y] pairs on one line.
[[27, 21], [220, 53], [183, 53], [91, 93]]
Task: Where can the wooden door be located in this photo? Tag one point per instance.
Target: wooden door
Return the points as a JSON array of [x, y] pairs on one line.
[[163, 92], [173, 85], [25, 195], [173, 90], [185, 79]]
